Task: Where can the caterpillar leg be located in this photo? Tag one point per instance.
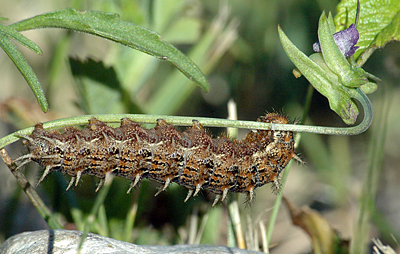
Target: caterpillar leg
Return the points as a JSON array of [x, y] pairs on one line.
[[276, 186], [193, 192], [167, 182], [101, 183], [217, 197], [106, 180], [198, 188], [298, 159], [78, 177], [25, 160], [250, 195], [71, 182], [45, 173], [224, 194], [190, 192], [133, 184]]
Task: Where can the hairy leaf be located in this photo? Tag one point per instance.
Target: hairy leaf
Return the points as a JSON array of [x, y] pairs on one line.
[[20, 38], [109, 26], [379, 22], [25, 70]]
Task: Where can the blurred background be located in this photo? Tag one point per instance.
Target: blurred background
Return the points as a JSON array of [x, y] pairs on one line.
[[236, 45]]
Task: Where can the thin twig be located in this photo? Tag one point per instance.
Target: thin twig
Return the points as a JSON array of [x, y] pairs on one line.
[[31, 193]]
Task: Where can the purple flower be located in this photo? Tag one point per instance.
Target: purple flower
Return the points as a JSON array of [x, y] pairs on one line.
[[346, 41]]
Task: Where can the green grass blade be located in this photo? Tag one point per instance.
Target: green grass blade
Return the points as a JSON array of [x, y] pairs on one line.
[[109, 26], [376, 154], [131, 217], [95, 208], [25, 70]]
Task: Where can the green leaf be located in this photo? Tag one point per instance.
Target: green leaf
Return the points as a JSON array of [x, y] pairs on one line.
[[332, 54], [370, 87], [25, 70], [95, 81], [20, 38], [340, 99], [323, 79], [379, 22], [109, 26], [331, 23], [349, 76]]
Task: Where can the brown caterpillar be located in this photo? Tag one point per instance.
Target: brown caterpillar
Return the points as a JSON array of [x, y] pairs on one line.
[[191, 158]]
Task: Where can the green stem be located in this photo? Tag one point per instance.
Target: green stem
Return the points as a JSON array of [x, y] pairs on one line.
[[376, 155], [95, 209], [277, 204], [310, 92], [211, 122], [278, 200]]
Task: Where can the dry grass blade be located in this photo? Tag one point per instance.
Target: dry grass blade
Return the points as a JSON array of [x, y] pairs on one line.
[[380, 248]]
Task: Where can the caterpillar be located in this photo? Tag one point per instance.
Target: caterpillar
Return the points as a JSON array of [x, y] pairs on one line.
[[192, 158]]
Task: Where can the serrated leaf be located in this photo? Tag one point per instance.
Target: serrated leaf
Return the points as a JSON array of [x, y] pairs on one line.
[[94, 81], [379, 22], [25, 70], [109, 26], [20, 38]]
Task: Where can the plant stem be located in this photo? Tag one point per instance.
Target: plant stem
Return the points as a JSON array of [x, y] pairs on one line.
[[277, 204], [31, 193], [376, 154], [211, 122], [278, 200], [96, 206]]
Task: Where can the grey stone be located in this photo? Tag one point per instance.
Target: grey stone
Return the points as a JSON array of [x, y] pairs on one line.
[[67, 241]]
